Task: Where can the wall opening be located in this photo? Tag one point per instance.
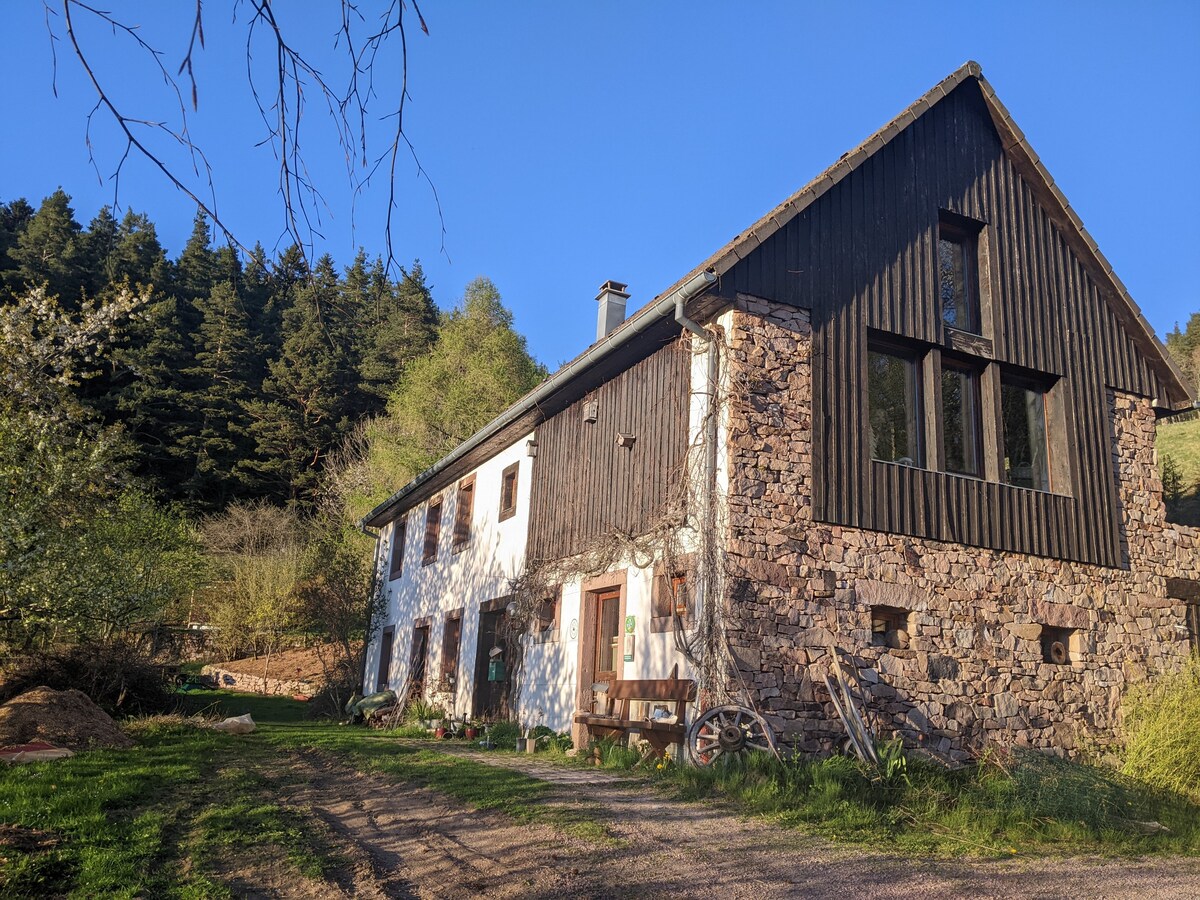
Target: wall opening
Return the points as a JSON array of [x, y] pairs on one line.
[[1060, 646], [891, 627]]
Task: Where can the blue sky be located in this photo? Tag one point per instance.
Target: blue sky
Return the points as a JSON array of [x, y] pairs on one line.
[[571, 143]]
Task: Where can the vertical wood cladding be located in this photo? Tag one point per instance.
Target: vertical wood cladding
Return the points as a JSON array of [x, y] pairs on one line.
[[864, 255], [584, 484]]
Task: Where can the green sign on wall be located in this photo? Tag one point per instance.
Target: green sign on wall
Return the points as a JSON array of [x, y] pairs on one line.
[[630, 624]]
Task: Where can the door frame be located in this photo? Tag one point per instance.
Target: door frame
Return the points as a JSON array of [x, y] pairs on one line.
[[383, 672], [588, 624]]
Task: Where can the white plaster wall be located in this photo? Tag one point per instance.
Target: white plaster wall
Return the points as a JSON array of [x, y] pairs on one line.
[[455, 580]]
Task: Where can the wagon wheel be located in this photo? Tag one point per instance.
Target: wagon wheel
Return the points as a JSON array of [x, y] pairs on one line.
[[728, 731]]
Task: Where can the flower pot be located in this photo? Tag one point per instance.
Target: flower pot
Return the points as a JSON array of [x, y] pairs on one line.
[[439, 733], [530, 745], [471, 734]]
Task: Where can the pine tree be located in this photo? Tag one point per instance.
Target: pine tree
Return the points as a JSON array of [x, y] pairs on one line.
[[309, 395], [400, 324], [14, 219], [50, 250], [221, 380], [99, 243], [1185, 348]]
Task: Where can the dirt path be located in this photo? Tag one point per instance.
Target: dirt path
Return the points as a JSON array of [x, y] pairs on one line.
[[405, 841]]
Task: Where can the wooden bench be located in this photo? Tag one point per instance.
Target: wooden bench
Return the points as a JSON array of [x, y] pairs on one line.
[[614, 721]]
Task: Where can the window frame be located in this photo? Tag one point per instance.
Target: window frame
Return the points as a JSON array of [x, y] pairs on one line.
[[914, 357], [976, 375], [449, 661], [967, 234], [1044, 387], [546, 628], [433, 531], [464, 511], [513, 471], [399, 536], [664, 599]]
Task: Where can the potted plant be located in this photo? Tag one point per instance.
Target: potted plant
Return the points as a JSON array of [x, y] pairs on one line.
[[471, 730], [440, 731]]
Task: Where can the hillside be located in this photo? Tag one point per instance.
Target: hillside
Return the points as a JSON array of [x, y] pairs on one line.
[[1179, 446]]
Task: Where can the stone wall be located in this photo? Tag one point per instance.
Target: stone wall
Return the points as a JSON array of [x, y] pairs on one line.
[[972, 672], [256, 684]]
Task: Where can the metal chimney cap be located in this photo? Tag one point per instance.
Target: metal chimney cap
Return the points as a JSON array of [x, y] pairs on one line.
[[613, 287]]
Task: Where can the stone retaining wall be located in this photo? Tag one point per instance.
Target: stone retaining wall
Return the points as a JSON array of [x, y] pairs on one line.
[[256, 684], [972, 673]]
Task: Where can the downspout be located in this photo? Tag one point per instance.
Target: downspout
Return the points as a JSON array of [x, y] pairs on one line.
[[708, 524]]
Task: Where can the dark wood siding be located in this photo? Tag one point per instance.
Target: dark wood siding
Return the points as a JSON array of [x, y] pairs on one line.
[[584, 485], [863, 256]]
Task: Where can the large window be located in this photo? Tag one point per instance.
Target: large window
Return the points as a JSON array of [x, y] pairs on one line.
[[1026, 455], [894, 398], [961, 420], [958, 279]]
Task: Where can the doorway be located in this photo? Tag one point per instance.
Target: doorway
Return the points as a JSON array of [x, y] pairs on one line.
[[417, 665], [489, 699], [385, 659], [601, 648]]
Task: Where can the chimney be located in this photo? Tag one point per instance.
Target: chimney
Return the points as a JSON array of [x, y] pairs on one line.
[[612, 299]]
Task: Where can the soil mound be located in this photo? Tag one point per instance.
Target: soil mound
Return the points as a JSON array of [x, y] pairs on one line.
[[63, 718]]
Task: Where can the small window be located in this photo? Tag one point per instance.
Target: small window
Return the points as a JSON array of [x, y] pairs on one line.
[[958, 279], [463, 509], [962, 423], [508, 491], [672, 596], [433, 528], [1026, 455], [546, 614], [1192, 613], [399, 532], [1058, 645], [894, 399], [891, 627]]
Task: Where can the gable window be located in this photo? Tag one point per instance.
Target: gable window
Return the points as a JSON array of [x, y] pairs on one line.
[[1026, 454], [961, 419], [894, 401], [399, 532], [957, 272], [508, 491], [433, 528], [463, 509]]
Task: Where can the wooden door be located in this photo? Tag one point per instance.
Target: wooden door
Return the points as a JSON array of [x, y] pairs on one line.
[[385, 659], [489, 696]]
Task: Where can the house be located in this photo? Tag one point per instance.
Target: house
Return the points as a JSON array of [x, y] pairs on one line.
[[908, 416]]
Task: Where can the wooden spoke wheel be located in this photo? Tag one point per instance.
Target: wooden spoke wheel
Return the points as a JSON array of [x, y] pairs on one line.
[[727, 732]]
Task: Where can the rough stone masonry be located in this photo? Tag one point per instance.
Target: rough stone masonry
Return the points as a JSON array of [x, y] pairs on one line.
[[972, 671]]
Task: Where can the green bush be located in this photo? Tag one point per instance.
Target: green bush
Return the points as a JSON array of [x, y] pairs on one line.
[[504, 735], [1162, 731]]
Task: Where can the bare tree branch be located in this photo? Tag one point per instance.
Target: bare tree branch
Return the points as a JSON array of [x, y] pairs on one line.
[[279, 93]]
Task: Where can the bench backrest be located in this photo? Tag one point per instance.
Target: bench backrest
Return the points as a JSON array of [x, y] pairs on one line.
[[674, 691]]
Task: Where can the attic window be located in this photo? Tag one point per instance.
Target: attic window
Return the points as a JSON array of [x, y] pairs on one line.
[[464, 508], [1060, 646], [508, 491], [399, 531], [433, 529], [957, 271], [891, 627]]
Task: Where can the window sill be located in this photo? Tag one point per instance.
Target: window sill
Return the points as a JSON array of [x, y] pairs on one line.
[[978, 479], [459, 548], [506, 514], [546, 636], [428, 561]]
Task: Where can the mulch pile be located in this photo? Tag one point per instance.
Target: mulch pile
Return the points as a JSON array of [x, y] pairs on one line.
[[62, 718]]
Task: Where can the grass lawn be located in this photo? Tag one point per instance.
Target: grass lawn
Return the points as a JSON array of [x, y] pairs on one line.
[[161, 820], [1181, 442]]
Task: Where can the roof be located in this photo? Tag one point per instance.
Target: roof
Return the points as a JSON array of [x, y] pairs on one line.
[[529, 411]]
